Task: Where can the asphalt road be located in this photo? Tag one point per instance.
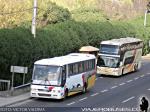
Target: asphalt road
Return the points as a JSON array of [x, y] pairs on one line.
[[108, 93]]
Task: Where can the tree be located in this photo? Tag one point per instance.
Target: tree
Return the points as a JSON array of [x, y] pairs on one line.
[[54, 14]]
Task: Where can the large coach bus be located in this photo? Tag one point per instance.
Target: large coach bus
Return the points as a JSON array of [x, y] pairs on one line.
[[119, 56], [63, 76]]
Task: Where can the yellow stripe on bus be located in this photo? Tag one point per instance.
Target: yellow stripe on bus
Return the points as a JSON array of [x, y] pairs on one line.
[[72, 93], [91, 81]]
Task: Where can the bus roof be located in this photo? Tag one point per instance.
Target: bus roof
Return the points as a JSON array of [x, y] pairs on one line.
[[67, 59], [121, 41]]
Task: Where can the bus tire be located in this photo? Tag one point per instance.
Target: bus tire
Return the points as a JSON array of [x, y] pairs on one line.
[[84, 88], [136, 67], [66, 94]]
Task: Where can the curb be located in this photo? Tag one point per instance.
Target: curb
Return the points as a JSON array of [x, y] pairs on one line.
[[146, 56]]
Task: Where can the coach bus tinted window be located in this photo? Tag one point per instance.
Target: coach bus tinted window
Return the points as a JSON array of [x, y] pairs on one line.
[[104, 61], [129, 60], [109, 49]]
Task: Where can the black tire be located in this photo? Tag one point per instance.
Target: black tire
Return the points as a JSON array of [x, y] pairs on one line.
[[136, 67], [84, 88], [66, 94]]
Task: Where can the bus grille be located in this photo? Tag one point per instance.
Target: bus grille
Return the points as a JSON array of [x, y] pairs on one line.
[[44, 90], [40, 94]]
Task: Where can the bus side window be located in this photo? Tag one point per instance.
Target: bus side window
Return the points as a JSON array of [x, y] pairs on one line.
[[85, 65], [70, 69], [80, 67], [90, 64], [93, 64], [75, 68], [129, 60]]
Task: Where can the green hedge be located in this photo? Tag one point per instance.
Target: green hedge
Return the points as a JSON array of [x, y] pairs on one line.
[[18, 47]]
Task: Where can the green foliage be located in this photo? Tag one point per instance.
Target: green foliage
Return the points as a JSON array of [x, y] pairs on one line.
[[141, 31], [55, 14], [18, 47], [88, 15]]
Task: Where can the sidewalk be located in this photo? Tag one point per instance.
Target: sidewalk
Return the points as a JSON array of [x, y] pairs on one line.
[[146, 56], [9, 100]]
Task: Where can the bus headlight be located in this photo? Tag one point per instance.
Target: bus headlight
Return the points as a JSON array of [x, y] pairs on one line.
[[33, 89], [115, 70], [58, 91]]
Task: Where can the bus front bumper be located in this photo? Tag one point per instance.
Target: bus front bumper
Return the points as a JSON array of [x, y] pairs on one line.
[[108, 71], [46, 95]]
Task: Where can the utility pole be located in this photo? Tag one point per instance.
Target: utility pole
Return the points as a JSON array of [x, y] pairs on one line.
[[145, 18], [34, 19], [146, 12]]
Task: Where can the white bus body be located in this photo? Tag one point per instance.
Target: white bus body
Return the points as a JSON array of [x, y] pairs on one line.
[[119, 56], [63, 76]]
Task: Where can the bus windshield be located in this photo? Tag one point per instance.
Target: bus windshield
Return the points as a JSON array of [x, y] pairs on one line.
[[46, 72], [109, 49], [112, 62]]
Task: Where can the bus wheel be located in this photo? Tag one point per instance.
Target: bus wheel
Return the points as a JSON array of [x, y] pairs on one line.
[[84, 88], [136, 67], [66, 94]]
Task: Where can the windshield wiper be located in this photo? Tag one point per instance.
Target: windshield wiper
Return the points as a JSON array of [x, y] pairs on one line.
[[46, 79]]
